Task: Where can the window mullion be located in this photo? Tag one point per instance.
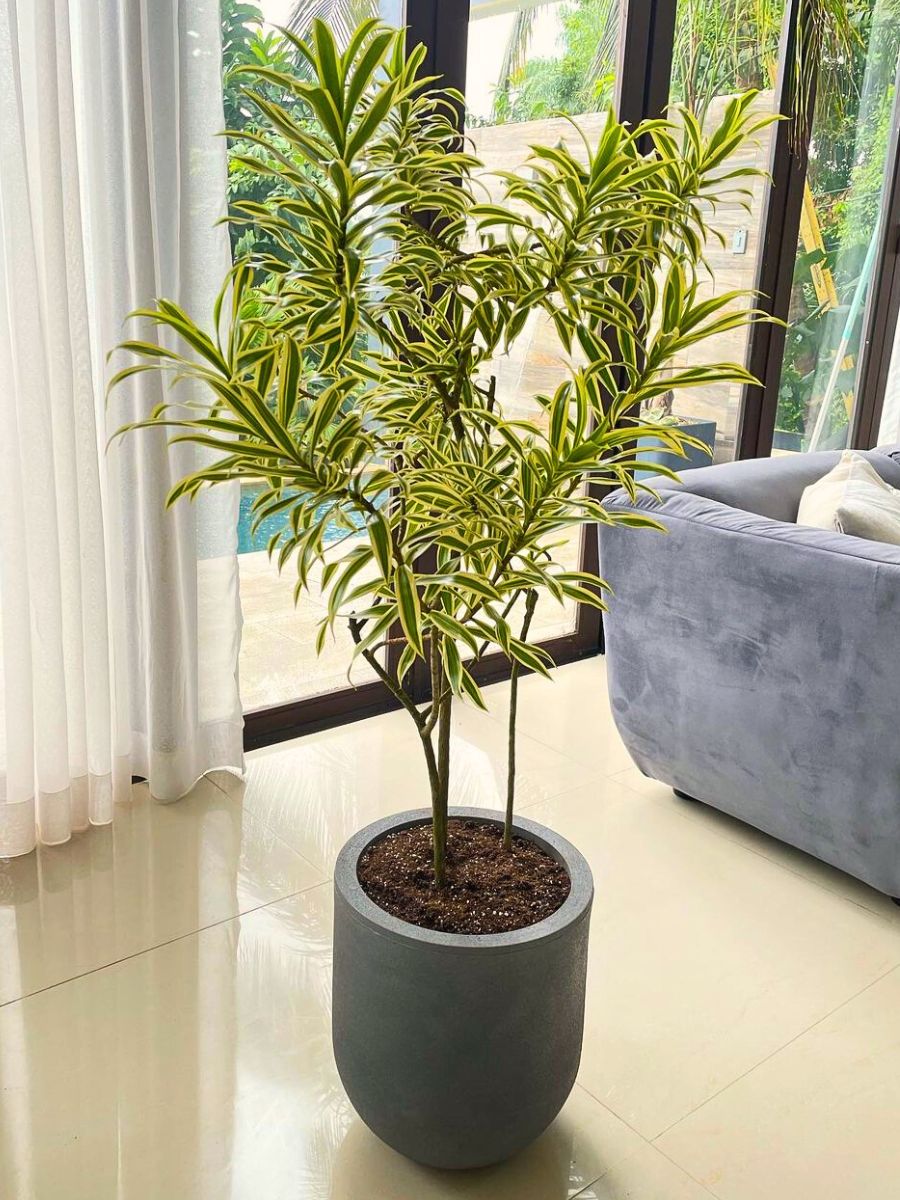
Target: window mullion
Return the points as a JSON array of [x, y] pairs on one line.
[[780, 234]]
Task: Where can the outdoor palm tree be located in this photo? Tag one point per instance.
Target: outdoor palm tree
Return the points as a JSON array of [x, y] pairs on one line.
[[589, 79], [341, 16], [720, 47]]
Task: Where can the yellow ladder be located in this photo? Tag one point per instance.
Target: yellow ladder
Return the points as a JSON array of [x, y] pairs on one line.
[[823, 280]]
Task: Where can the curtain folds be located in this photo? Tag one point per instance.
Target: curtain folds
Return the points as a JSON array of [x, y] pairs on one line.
[[119, 621]]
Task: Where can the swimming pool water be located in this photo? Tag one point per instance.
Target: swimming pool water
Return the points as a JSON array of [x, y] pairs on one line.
[[248, 540]]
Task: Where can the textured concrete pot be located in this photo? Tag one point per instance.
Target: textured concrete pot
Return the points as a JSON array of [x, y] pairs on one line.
[[704, 431], [458, 1050]]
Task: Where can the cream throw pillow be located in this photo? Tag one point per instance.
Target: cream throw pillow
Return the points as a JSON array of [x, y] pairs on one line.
[[853, 498]]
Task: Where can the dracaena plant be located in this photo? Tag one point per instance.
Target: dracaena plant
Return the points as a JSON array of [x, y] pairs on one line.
[[353, 374]]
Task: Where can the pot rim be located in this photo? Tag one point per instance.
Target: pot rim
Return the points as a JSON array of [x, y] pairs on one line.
[[574, 908]]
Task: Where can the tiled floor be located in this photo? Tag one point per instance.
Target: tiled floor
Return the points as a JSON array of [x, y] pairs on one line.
[[164, 989]]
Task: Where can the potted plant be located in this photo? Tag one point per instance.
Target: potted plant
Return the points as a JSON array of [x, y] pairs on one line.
[[696, 452], [353, 375]]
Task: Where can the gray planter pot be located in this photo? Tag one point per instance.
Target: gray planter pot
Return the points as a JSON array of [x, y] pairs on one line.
[[784, 439], [704, 431], [458, 1050]]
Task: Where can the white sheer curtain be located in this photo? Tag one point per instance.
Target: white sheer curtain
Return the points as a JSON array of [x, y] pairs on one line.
[[119, 622]]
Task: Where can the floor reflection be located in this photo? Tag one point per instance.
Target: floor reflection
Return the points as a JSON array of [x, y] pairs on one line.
[[158, 872], [366, 1167]]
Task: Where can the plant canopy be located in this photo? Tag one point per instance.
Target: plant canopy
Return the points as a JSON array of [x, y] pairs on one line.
[[352, 370]]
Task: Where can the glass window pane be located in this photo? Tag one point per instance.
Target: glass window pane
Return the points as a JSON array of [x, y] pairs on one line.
[[723, 47], [838, 236], [278, 661], [527, 64]]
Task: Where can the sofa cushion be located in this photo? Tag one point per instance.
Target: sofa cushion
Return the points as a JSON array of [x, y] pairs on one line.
[[853, 498]]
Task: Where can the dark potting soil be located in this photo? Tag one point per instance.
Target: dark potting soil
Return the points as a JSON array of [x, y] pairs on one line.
[[487, 889]]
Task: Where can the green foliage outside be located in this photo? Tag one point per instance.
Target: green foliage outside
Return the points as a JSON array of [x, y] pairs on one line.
[[579, 80], [846, 175], [723, 47], [245, 44]]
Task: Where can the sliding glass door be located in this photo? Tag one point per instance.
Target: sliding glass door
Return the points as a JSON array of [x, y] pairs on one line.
[[721, 48], [816, 238], [840, 234]]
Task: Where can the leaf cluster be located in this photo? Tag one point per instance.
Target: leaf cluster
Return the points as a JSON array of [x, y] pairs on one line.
[[350, 370]]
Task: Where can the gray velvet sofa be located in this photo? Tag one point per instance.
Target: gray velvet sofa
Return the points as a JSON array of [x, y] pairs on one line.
[[755, 665]]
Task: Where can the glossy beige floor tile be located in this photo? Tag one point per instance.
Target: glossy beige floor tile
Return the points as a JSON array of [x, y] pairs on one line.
[[481, 748], [646, 1175], [200, 1069], [204, 1069], [821, 1118], [705, 957], [572, 717], [158, 872], [585, 1141], [754, 839]]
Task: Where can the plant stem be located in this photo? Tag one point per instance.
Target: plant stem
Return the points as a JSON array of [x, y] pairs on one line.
[[438, 835], [396, 690], [443, 758], [515, 668], [440, 705], [438, 764]]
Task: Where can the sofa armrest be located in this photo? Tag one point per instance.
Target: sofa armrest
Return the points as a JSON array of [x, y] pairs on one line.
[[753, 663], [772, 487], [683, 506]]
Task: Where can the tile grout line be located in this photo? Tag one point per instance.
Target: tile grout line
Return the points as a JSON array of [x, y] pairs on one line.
[[645, 1140], [686, 1116], [582, 1193], [260, 819], [679, 1166], [168, 942], [772, 1054]]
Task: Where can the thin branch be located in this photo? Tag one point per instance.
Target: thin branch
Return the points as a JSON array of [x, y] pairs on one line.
[[436, 689], [515, 669], [390, 683]]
